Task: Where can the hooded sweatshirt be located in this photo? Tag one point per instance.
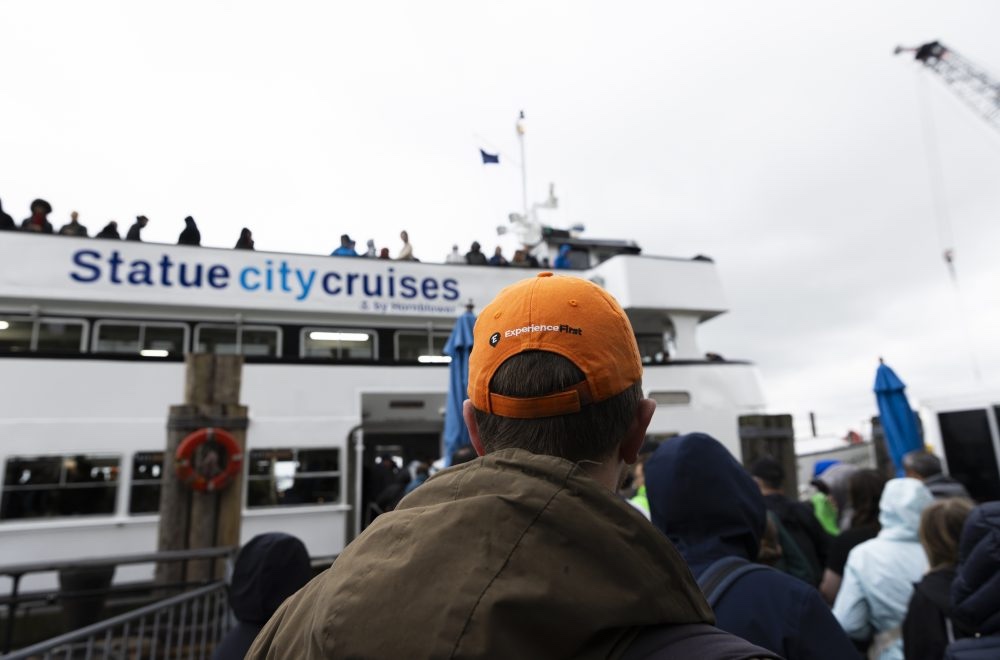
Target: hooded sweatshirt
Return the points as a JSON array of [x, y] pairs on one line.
[[513, 555], [710, 507], [880, 573], [269, 569]]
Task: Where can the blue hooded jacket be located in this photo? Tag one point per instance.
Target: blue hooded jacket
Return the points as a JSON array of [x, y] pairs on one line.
[[710, 508]]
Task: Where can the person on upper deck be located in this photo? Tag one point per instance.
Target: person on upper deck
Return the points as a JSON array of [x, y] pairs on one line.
[[190, 235], [135, 231], [525, 552], [926, 467], [454, 257], [370, 251], [39, 220], [346, 248], [562, 259], [73, 228], [475, 256], [880, 573], [703, 500], [245, 241], [406, 253], [6, 222], [498, 259], [110, 231]]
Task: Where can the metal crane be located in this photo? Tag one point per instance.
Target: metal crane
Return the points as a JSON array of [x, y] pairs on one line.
[[977, 88]]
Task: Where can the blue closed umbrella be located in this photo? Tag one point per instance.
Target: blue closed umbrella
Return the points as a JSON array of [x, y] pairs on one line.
[[458, 347], [899, 422]]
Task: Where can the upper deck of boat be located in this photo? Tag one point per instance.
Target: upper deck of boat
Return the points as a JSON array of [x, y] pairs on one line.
[[55, 273]]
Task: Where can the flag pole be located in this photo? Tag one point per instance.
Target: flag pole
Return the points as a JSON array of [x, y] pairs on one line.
[[524, 166]]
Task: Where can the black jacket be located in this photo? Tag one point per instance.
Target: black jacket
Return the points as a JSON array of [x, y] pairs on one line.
[[707, 504], [6, 222], [925, 629], [975, 593], [269, 569], [109, 231], [134, 232], [190, 235], [799, 520]]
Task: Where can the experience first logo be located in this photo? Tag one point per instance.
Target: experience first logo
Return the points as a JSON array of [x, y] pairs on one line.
[[93, 266]]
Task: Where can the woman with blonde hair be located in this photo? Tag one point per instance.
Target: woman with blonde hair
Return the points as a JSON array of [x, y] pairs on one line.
[[929, 626]]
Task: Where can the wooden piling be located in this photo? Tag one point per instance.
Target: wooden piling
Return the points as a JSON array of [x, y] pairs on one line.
[[188, 519]]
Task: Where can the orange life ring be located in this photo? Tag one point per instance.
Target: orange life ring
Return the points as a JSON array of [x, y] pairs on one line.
[[185, 459]]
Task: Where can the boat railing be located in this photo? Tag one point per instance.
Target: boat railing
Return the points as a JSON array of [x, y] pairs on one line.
[[188, 625], [86, 584]]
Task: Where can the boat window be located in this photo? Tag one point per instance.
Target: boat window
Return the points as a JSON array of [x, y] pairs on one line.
[[54, 486], [249, 340], [47, 335], [338, 344], [421, 346], [293, 477], [146, 339], [652, 348], [59, 336], [676, 398], [147, 476], [15, 334]]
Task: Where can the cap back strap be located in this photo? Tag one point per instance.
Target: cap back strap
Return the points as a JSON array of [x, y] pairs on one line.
[[564, 402]]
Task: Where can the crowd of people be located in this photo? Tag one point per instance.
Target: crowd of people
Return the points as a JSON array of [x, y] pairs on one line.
[[38, 222], [531, 544]]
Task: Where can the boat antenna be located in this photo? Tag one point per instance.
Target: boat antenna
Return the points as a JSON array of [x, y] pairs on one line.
[[519, 126]]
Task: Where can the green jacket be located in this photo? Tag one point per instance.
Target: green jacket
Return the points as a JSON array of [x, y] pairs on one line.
[[513, 555]]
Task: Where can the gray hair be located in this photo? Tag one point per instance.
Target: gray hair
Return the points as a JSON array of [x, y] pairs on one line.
[[922, 463]]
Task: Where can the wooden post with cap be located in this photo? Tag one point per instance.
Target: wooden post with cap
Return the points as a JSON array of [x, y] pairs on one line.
[[189, 519]]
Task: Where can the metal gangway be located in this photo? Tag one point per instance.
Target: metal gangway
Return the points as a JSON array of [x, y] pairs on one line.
[[188, 624]]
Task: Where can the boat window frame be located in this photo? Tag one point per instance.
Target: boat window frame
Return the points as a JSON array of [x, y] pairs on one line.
[[340, 474], [240, 327], [185, 348], [62, 485], [36, 322], [373, 334], [429, 331]]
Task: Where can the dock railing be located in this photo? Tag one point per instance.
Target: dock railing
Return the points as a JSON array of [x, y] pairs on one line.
[[81, 591], [188, 625]]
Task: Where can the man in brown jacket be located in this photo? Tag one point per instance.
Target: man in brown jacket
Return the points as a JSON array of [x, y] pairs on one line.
[[525, 552]]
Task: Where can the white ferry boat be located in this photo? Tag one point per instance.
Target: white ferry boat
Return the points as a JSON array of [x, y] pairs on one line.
[[343, 364]]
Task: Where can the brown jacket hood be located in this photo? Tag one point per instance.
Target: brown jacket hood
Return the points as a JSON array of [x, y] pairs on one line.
[[514, 555]]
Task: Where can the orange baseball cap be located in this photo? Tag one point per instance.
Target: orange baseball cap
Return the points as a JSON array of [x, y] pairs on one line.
[[565, 315]]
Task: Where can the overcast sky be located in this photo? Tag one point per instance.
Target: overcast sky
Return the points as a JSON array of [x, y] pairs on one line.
[[781, 138]]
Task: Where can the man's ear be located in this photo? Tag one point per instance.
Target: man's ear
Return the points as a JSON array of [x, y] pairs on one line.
[[636, 434], [469, 416]]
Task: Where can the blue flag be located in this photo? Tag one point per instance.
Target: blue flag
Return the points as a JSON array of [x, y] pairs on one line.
[[489, 158]]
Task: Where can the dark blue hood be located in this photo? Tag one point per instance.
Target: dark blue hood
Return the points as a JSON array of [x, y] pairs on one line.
[[704, 501], [975, 593], [270, 568]]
